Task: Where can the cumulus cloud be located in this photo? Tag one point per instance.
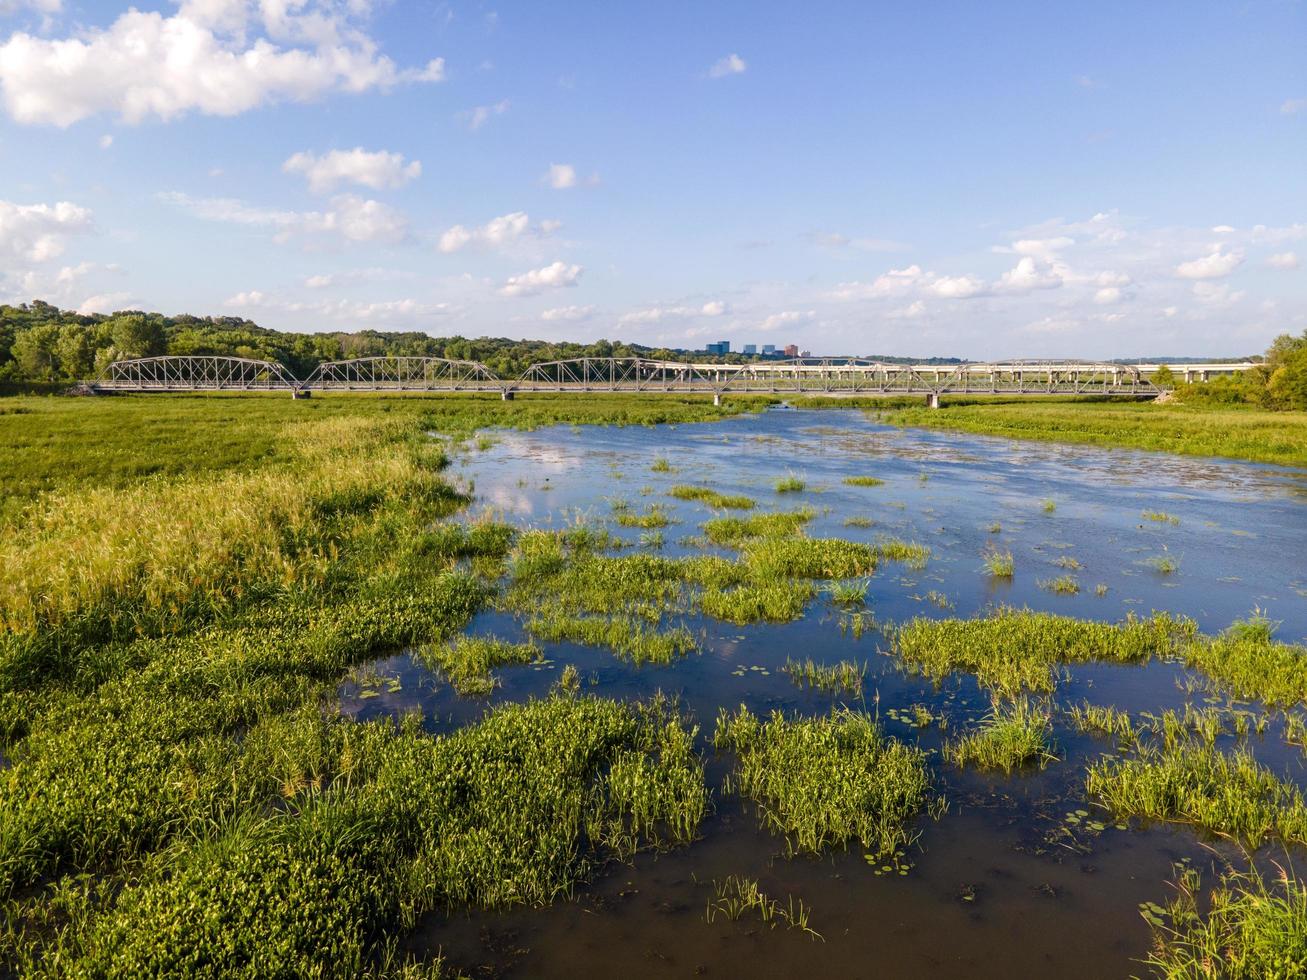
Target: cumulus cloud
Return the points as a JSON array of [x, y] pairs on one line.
[[556, 275], [958, 287], [563, 176], [1107, 295], [403, 311], [788, 318], [350, 217], [569, 314], [376, 169], [732, 64], [478, 116], [496, 233], [34, 233], [350, 277], [657, 314], [216, 58], [1026, 276], [1283, 260], [1212, 266]]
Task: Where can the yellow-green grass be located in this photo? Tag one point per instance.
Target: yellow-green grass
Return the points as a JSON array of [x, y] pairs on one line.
[[1237, 433], [1012, 735]]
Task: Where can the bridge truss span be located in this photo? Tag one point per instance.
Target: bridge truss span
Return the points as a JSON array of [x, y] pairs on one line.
[[403, 374], [195, 372]]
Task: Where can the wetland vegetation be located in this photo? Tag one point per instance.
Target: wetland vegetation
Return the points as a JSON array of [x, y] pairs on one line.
[[323, 688]]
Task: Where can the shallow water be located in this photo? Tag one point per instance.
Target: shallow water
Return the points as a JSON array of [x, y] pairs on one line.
[[1003, 884]]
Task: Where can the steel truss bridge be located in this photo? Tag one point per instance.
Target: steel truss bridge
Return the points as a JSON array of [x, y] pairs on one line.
[[848, 376]]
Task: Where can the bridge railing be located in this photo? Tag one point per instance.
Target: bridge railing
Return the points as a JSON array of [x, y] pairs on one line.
[[195, 372], [403, 374]]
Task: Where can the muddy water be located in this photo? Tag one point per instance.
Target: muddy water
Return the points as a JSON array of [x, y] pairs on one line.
[[1005, 883]]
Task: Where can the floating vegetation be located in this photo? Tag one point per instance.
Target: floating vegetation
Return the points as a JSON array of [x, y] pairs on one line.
[[911, 553], [916, 716], [816, 558], [1102, 720], [661, 465], [1193, 782], [996, 528], [711, 497], [630, 638], [467, 661], [1163, 564], [1161, 517], [1012, 735], [790, 484], [732, 531], [939, 600], [651, 539], [1049, 506], [1066, 561], [767, 602], [1244, 927], [1247, 661], [1016, 650], [863, 481], [822, 782], [737, 897], [1062, 585], [999, 564], [1100, 589], [859, 522], [845, 676], [654, 517], [848, 593]]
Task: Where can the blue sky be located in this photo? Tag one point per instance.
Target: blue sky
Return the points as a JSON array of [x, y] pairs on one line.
[[983, 180]]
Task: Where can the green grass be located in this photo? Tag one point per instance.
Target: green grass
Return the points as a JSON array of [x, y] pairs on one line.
[[911, 553], [1015, 651], [737, 897], [1161, 517], [754, 602], [654, 517], [1194, 782], [630, 638], [711, 497], [826, 782], [999, 564], [734, 531], [790, 484], [1012, 735], [467, 662], [844, 677], [814, 558], [1062, 585], [1262, 436], [863, 481], [1244, 927]]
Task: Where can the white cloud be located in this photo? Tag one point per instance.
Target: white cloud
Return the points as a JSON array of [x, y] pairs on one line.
[[1026, 276], [106, 141], [657, 314], [788, 318], [958, 287], [396, 311], [568, 314], [199, 59], [479, 115], [1107, 295], [350, 217], [349, 277], [732, 64], [376, 169], [1283, 260], [556, 275], [103, 303], [34, 233], [496, 233], [1290, 106], [1217, 294], [561, 176], [1212, 266]]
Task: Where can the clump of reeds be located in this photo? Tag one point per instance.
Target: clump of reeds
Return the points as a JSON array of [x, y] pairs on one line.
[[911, 553], [1012, 735], [1049, 505], [738, 896], [467, 661], [1062, 585], [1066, 561], [735, 530], [790, 484], [1103, 720], [852, 593], [661, 465], [822, 782], [630, 638], [845, 676], [999, 564], [711, 497], [1163, 564], [1161, 517], [757, 602], [654, 517], [859, 522], [863, 481]]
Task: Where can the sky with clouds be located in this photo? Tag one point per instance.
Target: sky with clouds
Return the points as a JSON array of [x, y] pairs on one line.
[[978, 180]]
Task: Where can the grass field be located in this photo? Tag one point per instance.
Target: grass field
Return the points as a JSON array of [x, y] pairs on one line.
[[1236, 433]]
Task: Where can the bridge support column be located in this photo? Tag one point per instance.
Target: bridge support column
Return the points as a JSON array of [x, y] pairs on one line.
[[932, 400], [506, 395], [717, 398], [298, 393]]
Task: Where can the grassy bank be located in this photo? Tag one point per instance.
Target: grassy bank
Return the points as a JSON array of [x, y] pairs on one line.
[[1236, 433]]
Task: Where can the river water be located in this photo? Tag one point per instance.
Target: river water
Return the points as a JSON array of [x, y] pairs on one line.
[[1004, 884]]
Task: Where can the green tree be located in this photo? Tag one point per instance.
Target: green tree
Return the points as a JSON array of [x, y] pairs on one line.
[[33, 350], [1163, 377], [74, 351], [136, 335]]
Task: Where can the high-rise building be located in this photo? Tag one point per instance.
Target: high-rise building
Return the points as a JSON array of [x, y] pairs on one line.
[[720, 348], [805, 353], [768, 349], [791, 350], [750, 349]]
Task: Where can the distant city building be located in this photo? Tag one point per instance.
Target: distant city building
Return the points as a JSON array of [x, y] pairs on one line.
[[768, 349], [750, 348], [720, 348], [791, 350], [805, 353]]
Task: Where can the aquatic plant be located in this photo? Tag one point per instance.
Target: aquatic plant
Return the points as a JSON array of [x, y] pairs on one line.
[[1249, 663], [654, 517], [1163, 564], [911, 553], [757, 602], [845, 676], [817, 558], [1102, 720], [789, 484], [1049, 505], [738, 896], [822, 782], [467, 661], [661, 465], [848, 593], [732, 531], [1161, 517], [1016, 650], [1011, 735], [999, 564], [1244, 927], [1062, 585], [863, 481], [1194, 782], [711, 497], [630, 638], [1066, 561], [859, 522], [651, 539]]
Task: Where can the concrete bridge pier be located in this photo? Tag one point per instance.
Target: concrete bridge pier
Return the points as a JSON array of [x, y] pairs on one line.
[[506, 395], [717, 398], [932, 400]]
